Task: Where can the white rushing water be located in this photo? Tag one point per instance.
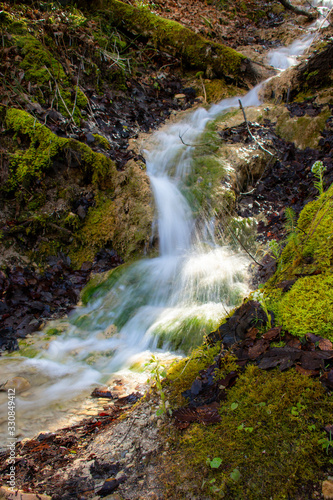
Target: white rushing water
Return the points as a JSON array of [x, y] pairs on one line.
[[165, 302]]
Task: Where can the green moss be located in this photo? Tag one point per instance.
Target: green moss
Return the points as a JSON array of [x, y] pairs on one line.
[[270, 426], [304, 131], [26, 165], [217, 89], [194, 50], [314, 250], [182, 374], [72, 220], [38, 63], [29, 164], [96, 232], [308, 307], [102, 141]]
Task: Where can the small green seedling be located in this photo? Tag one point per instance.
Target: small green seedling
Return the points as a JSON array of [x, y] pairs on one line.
[[215, 463]]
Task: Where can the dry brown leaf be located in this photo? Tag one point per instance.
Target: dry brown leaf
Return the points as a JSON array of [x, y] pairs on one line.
[[325, 344], [272, 333], [259, 347], [304, 371]]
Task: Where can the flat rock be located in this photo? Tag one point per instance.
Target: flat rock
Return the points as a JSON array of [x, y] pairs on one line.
[[8, 494], [20, 384]]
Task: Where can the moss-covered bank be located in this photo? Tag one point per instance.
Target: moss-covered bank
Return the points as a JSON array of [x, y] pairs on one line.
[[45, 172], [267, 445]]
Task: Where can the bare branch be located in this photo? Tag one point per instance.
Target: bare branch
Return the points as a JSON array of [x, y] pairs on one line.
[[249, 131]]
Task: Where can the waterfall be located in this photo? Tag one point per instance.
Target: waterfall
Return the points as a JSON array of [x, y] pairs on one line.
[[165, 302]]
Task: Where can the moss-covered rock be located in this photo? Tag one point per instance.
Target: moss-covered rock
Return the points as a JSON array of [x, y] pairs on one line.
[[45, 171], [38, 63], [308, 307], [304, 131], [307, 260], [30, 163], [267, 441]]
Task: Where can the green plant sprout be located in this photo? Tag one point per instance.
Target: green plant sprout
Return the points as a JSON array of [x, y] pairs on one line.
[[215, 463], [318, 170], [157, 371], [326, 443], [260, 297], [276, 248]]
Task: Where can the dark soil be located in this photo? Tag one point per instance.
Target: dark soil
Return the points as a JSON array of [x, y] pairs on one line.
[[29, 297], [288, 180]]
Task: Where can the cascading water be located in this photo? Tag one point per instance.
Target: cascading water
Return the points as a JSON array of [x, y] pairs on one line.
[[161, 302]]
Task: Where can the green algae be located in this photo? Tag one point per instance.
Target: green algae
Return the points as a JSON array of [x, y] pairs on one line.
[[100, 283], [185, 332]]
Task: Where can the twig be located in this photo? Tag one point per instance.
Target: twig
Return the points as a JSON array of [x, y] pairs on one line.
[[249, 131], [76, 92], [189, 145], [62, 100], [203, 88], [318, 30]]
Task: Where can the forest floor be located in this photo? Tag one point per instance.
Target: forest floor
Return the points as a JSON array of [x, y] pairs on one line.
[[121, 452]]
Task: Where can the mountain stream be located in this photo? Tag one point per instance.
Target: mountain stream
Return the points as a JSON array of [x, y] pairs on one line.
[[159, 305]]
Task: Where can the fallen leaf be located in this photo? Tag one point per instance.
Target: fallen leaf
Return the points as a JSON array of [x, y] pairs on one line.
[[252, 333], [259, 347], [272, 333], [325, 344], [304, 371], [295, 343]]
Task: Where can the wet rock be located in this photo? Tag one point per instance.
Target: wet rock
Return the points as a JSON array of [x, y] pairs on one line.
[[236, 327], [8, 341], [90, 138], [20, 384], [81, 212]]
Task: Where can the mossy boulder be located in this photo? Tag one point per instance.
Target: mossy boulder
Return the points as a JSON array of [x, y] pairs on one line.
[[304, 131], [29, 163], [306, 264]]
